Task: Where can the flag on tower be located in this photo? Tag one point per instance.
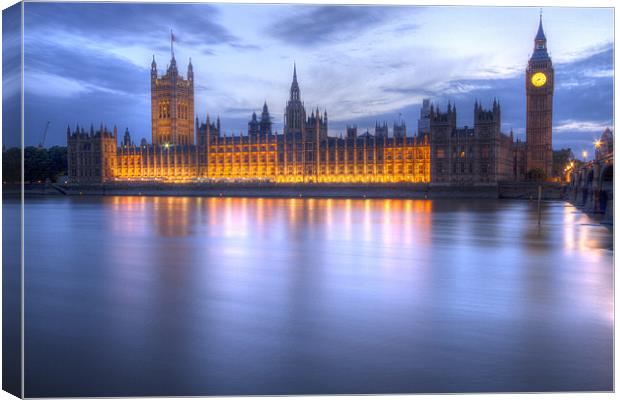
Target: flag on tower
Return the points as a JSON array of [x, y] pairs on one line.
[[172, 40]]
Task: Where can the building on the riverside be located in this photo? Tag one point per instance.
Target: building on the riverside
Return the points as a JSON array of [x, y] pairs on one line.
[[539, 84], [468, 155], [172, 104], [604, 147], [303, 152], [482, 153], [441, 152]]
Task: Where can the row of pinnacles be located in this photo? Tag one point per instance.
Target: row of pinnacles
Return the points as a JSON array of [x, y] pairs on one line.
[[90, 154], [303, 152]]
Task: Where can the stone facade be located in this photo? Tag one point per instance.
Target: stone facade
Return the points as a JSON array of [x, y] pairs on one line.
[[539, 84], [466, 155], [91, 155], [172, 105]]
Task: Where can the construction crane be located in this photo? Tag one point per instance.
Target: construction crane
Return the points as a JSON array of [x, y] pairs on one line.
[[42, 142]]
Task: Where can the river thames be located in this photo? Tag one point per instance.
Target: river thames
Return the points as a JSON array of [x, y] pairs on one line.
[[210, 296]]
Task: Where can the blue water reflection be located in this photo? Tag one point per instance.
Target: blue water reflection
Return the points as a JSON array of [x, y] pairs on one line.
[[209, 296]]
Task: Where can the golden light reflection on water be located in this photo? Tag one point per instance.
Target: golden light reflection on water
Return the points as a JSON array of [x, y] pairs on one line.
[[581, 233], [391, 221], [381, 221]]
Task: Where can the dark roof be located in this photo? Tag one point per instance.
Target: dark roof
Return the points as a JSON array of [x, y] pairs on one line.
[[541, 33]]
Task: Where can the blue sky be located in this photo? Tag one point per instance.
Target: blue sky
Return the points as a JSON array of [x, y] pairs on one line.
[[89, 63]]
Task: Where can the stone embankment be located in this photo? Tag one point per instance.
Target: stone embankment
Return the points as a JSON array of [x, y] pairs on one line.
[[527, 191]]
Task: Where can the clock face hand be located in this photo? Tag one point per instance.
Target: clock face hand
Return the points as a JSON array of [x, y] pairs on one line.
[[539, 79]]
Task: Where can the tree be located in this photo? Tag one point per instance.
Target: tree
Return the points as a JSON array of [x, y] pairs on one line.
[[536, 175], [12, 165], [39, 164], [58, 162], [561, 158], [36, 164]]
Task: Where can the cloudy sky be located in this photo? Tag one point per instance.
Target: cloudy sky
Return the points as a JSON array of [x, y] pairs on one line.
[[89, 63]]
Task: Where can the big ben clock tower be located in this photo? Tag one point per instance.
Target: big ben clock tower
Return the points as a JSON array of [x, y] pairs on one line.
[[539, 107]]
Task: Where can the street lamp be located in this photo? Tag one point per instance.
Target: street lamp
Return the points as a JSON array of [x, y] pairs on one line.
[[584, 154]]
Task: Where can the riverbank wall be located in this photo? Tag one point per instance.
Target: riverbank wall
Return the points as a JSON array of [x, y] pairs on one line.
[[272, 190]]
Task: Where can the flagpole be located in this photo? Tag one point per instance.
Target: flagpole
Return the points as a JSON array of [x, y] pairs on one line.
[[171, 41]]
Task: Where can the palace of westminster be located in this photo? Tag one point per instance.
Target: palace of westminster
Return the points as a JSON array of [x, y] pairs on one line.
[[183, 150]]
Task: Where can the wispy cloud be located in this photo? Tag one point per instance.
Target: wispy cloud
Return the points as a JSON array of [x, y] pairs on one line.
[[51, 85], [310, 26], [573, 126]]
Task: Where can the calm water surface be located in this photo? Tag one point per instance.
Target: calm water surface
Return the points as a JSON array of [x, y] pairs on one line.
[[192, 296]]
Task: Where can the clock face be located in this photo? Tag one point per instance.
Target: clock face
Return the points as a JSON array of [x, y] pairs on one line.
[[539, 79]]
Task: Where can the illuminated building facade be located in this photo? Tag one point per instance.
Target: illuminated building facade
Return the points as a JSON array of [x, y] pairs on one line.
[[441, 152], [172, 105], [302, 153]]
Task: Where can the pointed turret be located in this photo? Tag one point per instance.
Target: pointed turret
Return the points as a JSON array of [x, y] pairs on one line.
[[190, 70], [540, 43], [126, 137], [540, 35], [295, 95]]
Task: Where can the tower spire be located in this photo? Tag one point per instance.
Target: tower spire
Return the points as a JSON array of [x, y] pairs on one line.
[[540, 43], [295, 86], [171, 44], [540, 35]]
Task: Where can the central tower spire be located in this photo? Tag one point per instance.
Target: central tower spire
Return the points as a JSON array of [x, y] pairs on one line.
[[295, 86]]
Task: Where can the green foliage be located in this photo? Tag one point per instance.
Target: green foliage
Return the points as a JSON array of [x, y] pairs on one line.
[[536, 175], [58, 161], [561, 158], [11, 165], [39, 164]]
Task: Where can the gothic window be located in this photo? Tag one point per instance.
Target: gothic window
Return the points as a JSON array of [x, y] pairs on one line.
[[441, 153], [485, 151]]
